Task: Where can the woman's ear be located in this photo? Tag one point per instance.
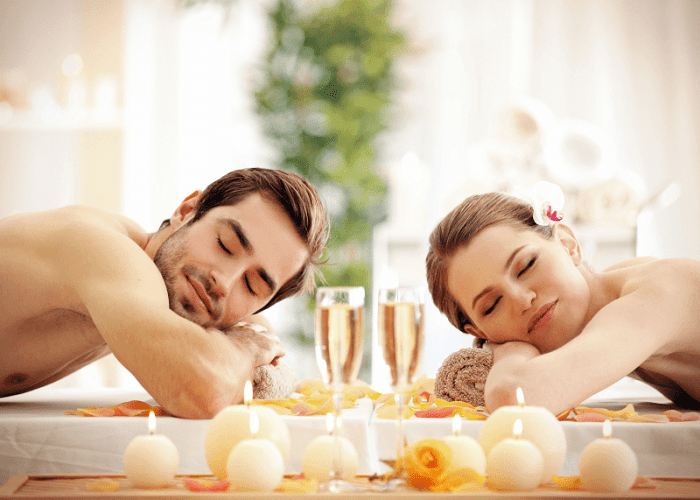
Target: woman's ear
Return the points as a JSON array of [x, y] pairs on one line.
[[472, 330], [185, 210], [565, 235]]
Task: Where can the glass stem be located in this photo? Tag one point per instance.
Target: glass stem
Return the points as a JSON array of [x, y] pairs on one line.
[[398, 468], [337, 457]]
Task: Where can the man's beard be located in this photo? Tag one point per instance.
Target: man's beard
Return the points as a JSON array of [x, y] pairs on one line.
[[167, 260]]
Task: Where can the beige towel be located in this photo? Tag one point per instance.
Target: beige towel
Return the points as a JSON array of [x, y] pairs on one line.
[[274, 382], [462, 376]]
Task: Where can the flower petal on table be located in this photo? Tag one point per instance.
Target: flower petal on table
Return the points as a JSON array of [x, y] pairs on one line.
[[202, 485], [650, 418], [567, 482], [590, 417], [436, 413]]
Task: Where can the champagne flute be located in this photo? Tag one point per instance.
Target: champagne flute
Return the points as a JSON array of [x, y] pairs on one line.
[[339, 337], [400, 330]]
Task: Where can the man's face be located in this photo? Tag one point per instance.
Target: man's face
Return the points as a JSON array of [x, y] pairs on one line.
[[231, 262], [516, 285]]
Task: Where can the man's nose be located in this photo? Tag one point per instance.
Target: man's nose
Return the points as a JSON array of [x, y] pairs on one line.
[[223, 281]]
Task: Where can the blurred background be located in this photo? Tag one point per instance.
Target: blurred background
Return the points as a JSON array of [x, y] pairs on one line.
[[395, 110]]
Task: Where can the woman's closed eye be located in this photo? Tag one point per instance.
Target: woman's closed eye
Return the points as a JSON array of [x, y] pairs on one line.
[[530, 263], [493, 306]]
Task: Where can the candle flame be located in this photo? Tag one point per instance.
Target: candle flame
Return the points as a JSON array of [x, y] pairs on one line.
[[254, 423], [520, 396], [329, 423], [517, 429], [456, 424], [607, 428], [151, 423], [248, 392]]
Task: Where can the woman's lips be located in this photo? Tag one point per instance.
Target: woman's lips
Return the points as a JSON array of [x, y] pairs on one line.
[[542, 317]]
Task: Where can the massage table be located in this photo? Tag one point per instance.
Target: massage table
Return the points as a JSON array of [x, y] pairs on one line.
[[36, 437]]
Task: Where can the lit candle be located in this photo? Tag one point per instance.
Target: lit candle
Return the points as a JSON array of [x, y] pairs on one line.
[[255, 464], [514, 464], [231, 425], [317, 461], [151, 461], [466, 451], [608, 465], [540, 427]]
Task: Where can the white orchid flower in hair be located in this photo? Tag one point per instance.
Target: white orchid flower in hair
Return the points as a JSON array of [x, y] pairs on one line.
[[547, 201]]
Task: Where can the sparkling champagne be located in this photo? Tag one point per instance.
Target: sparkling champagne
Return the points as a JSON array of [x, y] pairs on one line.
[[401, 339], [339, 341]]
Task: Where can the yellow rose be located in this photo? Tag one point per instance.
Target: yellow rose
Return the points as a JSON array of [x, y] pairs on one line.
[[425, 461]]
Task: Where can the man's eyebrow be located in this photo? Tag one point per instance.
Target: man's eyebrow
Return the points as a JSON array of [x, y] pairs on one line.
[[236, 227], [269, 281], [488, 289]]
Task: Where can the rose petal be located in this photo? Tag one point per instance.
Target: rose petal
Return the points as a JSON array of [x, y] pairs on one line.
[[435, 413], [590, 417], [200, 485]]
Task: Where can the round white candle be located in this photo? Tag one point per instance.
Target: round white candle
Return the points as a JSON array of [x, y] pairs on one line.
[[514, 464], [608, 465], [540, 427], [317, 460], [151, 461], [231, 425], [255, 464], [466, 451]]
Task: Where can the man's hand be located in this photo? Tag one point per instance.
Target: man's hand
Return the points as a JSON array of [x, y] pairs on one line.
[[263, 344]]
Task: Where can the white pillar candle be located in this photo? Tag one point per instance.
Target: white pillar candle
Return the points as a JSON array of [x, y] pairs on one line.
[[608, 465], [514, 464], [255, 464], [231, 425], [151, 461], [540, 427], [317, 461], [466, 451]]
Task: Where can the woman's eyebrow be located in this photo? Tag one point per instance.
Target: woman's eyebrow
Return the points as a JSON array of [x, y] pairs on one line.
[[488, 289]]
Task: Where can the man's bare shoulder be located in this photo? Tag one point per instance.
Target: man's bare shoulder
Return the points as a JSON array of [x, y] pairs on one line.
[[42, 230]]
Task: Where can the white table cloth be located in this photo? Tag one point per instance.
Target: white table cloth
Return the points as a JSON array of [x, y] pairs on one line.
[[663, 449], [36, 437]]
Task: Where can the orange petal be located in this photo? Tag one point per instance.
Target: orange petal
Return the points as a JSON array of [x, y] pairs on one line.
[[435, 413], [590, 417], [567, 482], [691, 416], [197, 485]]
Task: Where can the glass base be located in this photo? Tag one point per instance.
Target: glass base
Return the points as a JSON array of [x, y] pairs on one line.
[[341, 486], [395, 483]]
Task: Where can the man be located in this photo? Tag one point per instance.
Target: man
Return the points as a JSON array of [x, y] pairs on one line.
[[77, 283]]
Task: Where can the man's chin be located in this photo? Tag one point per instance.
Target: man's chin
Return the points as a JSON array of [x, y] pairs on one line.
[[193, 316]]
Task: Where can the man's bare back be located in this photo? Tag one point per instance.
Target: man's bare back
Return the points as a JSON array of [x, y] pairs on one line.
[[77, 283], [45, 331]]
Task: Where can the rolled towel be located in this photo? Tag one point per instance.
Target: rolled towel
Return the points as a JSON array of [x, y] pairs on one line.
[[274, 382], [462, 376]]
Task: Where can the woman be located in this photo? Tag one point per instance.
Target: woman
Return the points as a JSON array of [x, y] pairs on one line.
[[559, 329]]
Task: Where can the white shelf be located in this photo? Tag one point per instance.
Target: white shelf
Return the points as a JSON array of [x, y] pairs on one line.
[[65, 120]]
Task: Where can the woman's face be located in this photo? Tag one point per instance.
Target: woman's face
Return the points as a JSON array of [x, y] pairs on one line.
[[515, 285]]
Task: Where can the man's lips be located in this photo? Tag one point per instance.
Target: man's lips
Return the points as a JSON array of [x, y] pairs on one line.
[[201, 293], [542, 317]]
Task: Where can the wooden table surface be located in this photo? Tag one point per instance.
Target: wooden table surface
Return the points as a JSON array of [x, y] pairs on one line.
[[76, 487]]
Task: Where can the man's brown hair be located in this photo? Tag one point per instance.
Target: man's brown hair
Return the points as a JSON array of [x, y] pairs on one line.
[[458, 229]]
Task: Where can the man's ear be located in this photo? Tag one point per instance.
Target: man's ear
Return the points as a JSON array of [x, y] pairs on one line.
[[565, 235], [185, 210]]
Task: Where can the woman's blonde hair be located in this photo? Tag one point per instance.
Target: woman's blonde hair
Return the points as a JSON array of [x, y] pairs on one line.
[[458, 229]]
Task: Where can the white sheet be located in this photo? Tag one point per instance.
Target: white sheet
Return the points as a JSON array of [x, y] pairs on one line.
[[663, 449], [36, 437]]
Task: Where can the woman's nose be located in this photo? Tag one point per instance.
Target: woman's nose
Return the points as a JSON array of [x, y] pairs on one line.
[[523, 299]]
